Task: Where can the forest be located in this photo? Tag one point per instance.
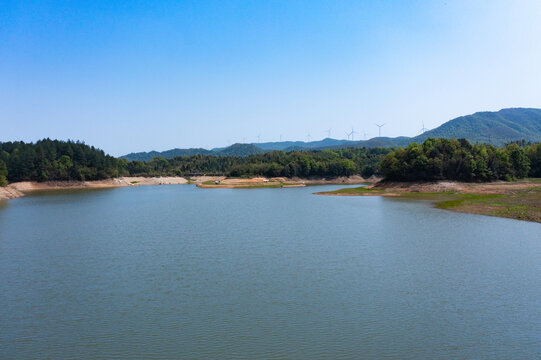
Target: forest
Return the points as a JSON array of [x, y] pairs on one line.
[[451, 159], [51, 160], [434, 159], [325, 163], [54, 160]]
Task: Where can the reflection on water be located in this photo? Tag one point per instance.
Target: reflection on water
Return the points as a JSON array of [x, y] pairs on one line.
[[181, 272]]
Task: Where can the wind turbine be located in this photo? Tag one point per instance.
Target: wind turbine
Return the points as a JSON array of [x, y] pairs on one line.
[[259, 138], [423, 129], [308, 137], [364, 135], [329, 133], [380, 126], [353, 132]]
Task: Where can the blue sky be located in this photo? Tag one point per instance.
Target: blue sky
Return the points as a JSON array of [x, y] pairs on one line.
[[140, 75]]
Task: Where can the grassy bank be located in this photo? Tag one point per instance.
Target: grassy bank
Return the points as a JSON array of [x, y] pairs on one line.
[[521, 204], [514, 201]]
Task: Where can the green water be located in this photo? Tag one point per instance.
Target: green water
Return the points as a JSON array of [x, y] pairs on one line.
[[177, 272]]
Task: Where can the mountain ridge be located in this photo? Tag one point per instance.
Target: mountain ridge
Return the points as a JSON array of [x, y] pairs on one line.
[[493, 127]]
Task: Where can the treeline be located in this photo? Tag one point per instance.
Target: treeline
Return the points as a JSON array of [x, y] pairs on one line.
[[435, 159], [326, 163], [451, 159], [49, 160]]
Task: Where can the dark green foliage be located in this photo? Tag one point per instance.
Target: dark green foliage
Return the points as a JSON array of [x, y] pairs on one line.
[[48, 160], [444, 159], [327, 163], [3, 173], [435, 159], [534, 154], [496, 128], [233, 150]]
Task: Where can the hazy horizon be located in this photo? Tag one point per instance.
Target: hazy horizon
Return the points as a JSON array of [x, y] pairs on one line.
[[141, 77]]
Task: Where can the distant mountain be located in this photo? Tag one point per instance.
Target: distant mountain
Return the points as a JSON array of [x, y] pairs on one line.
[[239, 150], [233, 150], [301, 145], [169, 154], [496, 128]]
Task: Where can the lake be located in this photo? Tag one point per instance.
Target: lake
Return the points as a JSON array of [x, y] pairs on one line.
[[178, 272]]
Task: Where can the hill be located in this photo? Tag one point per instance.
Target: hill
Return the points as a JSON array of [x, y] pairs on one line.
[[233, 150], [496, 128], [326, 143]]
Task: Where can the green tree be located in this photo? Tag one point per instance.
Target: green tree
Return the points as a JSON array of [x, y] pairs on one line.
[[3, 173]]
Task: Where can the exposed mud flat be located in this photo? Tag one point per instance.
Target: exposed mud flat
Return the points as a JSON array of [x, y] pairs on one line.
[[519, 200], [261, 182]]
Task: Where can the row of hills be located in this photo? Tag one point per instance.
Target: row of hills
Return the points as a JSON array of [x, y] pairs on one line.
[[496, 128]]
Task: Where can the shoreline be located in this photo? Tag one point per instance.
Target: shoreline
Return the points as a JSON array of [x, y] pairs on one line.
[[520, 200], [20, 189], [278, 182]]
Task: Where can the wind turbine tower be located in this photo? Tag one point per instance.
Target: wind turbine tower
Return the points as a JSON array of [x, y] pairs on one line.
[[423, 129], [352, 133], [329, 133], [380, 126]]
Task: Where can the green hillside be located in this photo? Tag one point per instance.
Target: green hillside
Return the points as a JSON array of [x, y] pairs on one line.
[[496, 128], [233, 150]]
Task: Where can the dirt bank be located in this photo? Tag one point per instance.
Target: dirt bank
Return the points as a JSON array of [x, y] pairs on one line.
[[258, 182], [496, 187], [519, 200], [19, 189], [9, 192]]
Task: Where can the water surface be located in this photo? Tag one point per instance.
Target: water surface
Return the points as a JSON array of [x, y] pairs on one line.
[[162, 272]]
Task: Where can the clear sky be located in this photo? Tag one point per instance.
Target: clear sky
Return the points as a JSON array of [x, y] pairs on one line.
[[153, 75]]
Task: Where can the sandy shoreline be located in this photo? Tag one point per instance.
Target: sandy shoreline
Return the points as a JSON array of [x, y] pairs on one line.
[[520, 200], [385, 188], [282, 182], [19, 189]]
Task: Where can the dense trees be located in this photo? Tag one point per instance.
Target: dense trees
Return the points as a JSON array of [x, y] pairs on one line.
[[438, 159], [48, 160], [3, 173], [435, 159], [57, 160], [326, 163], [534, 154]]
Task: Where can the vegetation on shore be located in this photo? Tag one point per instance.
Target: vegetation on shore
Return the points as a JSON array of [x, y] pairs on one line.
[[304, 164], [54, 160], [444, 159], [524, 204], [521, 203], [435, 159]]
